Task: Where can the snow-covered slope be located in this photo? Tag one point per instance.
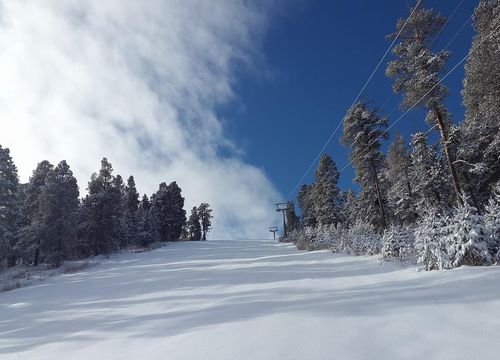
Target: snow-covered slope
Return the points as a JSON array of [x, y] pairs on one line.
[[253, 300]]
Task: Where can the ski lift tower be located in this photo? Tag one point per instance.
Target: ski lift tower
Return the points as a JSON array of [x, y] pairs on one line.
[[273, 229], [282, 207]]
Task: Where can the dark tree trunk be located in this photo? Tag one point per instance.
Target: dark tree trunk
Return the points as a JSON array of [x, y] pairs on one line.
[[379, 195], [11, 261], [37, 254], [408, 185], [448, 154]]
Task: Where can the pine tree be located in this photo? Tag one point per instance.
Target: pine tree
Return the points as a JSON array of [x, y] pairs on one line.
[[131, 196], [9, 207], [427, 176], [479, 150], [121, 230], [430, 245], [205, 214], [130, 217], [350, 208], [325, 193], [417, 71], [467, 244], [144, 204], [363, 239], [326, 237], [492, 224], [363, 129], [147, 230], [397, 244], [168, 208], [306, 238], [32, 233], [400, 194], [306, 205], [194, 225], [101, 221], [292, 220], [58, 206], [34, 189]]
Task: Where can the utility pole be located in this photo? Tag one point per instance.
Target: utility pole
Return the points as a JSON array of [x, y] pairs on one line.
[[282, 207], [273, 229]]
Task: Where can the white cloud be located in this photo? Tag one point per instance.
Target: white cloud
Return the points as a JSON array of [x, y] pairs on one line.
[[137, 82]]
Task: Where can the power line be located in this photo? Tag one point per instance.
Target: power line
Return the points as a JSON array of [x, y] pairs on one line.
[[356, 99], [428, 92], [395, 106], [446, 23], [430, 44], [459, 31], [419, 100]]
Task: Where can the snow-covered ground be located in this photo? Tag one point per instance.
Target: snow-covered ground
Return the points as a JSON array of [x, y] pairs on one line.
[[253, 300]]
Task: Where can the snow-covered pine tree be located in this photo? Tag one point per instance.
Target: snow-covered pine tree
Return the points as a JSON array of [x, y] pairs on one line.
[[467, 243], [363, 129], [350, 208], [9, 208], [100, 222], [479, 150], [430, 241], [58, 206], [309, 234], [205, 214], [306, 205], [194, 225], [131, 196], [131, 205], [427, 176], [390, 244], [121, 230], [147, 233], [400, 195], [492, 224], [168, 207], [325, 193], [363, 239], [31, 232], [397, 244], [325, 237], [292, 220], [417, 71], [31, 206]]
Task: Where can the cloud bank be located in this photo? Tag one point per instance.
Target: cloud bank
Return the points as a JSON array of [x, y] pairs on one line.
[[137, 82]]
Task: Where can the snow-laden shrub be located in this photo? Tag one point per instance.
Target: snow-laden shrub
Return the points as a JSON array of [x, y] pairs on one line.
[[71, 266], [292, 236], [344, 239], [326, 237], [305, 237], [492, 225], [339, 238], [430, 241], [467, 242], [316, 238], [397, 244], [363, 240]]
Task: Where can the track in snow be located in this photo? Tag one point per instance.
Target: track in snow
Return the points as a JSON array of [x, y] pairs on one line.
[[253, 300]]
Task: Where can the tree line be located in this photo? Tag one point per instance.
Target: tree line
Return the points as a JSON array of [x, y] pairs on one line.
[[45, 221], [438, 202]]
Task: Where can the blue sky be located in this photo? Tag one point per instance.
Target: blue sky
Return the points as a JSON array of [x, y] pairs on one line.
[[317, 58], [160, 92]]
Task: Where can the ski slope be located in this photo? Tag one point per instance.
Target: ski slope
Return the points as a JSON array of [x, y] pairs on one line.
[[253, 300]]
